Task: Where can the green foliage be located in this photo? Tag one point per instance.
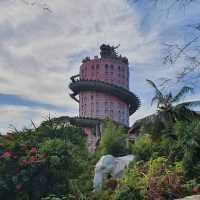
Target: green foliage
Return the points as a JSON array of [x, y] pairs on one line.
[[180, 147], [113, 141], [54, 197], [52, 163], [155, 179], [36, 163], [143, 147], [188, 140], [192, 186], [169, 110], [128, 194]]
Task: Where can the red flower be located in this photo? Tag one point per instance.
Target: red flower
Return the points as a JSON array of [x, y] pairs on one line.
[[33, 150], [33, 158], [195, 189], [7, 154]]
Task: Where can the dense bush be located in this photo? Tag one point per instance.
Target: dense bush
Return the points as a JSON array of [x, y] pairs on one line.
[[165, 168], [52, 163], [143, 147], [113, 141], [35, 163], [155, 179]]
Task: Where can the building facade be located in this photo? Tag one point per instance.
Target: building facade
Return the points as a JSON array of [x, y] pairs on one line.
[[102, 87], [95, 104]]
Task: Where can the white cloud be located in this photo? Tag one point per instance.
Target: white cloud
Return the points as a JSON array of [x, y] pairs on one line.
[[40, 50], [21, 116]]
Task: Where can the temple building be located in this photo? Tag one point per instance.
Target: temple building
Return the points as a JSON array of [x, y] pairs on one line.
[[102, 90]]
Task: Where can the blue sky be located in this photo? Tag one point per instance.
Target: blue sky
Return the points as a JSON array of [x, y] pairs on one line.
[[40, 50]]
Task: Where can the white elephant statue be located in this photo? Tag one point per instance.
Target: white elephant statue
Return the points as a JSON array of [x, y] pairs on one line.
[[110, 165]]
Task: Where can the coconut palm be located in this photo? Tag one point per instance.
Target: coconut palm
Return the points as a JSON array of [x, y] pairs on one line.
[[169, 104], [169, 110]]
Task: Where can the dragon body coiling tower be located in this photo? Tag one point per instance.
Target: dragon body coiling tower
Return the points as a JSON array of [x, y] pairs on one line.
[[103, 89]]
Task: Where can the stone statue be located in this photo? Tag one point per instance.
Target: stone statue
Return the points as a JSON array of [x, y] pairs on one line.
[[110, 166]]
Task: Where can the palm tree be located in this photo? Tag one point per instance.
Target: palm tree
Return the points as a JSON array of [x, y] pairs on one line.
[[169, 110], [170, 104]]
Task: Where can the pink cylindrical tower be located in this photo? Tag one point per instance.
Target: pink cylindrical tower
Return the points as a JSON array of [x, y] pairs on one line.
[[95, 104], [103, 88]]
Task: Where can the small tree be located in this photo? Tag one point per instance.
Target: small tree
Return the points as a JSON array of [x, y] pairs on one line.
[[169, 110], [113, 141]]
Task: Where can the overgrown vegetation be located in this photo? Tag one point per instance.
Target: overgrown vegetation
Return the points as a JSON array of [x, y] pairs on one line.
[[165, 168], [51, 162], [52, 159], [113, 141]]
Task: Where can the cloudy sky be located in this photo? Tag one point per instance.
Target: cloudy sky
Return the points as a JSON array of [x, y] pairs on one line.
[[43, 42]]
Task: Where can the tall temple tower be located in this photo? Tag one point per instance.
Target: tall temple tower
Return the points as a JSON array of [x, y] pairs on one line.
[[103, 89]]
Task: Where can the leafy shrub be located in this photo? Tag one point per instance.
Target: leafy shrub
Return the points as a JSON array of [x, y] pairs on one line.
[[188, 140], [155, 179], [36, 163], [54, 197], [113, 141], [143, 147], [128, 194], [192, 186]]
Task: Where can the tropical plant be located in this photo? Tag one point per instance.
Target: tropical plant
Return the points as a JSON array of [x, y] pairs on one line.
[[113, 141], [143, 147], [156, 179], [46, 160], [188, 142], [169, 110]]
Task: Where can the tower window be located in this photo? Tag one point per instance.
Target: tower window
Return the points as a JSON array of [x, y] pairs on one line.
[[106, 67], [111, 113]]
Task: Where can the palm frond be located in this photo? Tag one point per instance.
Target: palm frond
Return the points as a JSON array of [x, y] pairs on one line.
[[183, 112], [181, 93], [154, 99], [190, 104], [169, 96], [158, 92]]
